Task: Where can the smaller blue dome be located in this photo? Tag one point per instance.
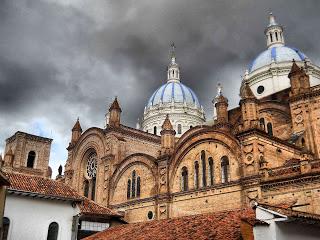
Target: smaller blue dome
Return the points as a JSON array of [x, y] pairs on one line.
[[173, 90], [276, 54]]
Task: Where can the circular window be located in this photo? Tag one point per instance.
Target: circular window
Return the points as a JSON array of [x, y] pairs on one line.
[[150, 215], [92, 165], [260, 89]]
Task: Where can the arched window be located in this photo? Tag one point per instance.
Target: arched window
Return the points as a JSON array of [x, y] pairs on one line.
[[303, 142], [262, 123], [6, 225], [190, 126], [129, 189], [53, 231], [203, 162], [93, 189], [86, 188], [155, 130], [224, 169], [134, 185], [269, 129], [277, 36], [92, 163], [196, 174], [133, 193], [184, 174], [271, 37], [31, 158], [179, 129], [138, 186], [211, 167]]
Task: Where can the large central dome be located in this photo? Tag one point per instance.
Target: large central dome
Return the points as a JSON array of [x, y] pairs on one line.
[[175, 99], [276, 54], [173, 91]]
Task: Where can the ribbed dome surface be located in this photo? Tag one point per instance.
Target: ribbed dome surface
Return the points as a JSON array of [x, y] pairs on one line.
[[276, 54], [173, 90]]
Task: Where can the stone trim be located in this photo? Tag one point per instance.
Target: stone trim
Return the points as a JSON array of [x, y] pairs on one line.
[[29, 137]]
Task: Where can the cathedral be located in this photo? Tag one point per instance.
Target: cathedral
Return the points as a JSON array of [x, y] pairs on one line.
[[177, 163]]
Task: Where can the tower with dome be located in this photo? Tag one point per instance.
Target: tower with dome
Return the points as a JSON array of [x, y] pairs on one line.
[[266, 149], [173, 98], [268, 72]]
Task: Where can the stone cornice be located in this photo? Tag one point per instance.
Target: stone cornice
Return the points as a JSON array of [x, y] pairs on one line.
[[261, 133], [135, 133], [29, 137], [301, 178], [303, 96]]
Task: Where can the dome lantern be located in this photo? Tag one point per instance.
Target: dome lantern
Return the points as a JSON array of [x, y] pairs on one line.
[[274, 33], [173, 73]]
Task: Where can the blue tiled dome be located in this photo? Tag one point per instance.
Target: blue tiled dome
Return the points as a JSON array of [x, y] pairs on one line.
[[276, 54], [173, 90]]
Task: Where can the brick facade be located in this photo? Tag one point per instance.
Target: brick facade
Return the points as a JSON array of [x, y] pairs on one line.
[[266, 150]]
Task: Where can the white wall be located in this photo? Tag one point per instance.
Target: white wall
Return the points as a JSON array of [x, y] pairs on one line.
[[30, 217], [296, 231], [280, 228]]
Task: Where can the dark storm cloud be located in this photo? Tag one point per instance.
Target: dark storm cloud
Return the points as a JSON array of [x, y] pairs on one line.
[[63, 59]]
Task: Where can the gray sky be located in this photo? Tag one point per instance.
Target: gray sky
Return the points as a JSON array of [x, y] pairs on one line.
[[63, 59]]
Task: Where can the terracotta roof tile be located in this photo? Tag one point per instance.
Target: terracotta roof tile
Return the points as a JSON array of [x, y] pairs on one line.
[[220, 225], [90, 207], [21, 183], [41, 186]]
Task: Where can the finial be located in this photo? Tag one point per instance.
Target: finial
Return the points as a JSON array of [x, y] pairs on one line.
[[173, 53], [219, 89], [272, 20]]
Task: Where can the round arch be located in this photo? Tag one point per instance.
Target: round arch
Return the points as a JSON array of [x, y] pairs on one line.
[[198, 137]]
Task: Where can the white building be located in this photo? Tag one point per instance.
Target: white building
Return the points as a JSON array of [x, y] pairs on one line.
[[268, 72], [175, 99], [39, 208], [280, 223]]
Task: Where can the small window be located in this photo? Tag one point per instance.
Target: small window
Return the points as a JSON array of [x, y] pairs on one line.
[[150, 215], [271, 37], [133, 192], [53, 231], [6, 225], [179, 129], [31, 158], [277, 36], [269, 129], [303, 142], [196, 175], [129, 189], [155, 130], [184, 174], [203, 163], [93, 190], [224, 169], [211, 168], [138, 186], [190, 126], [86, 188], [260, 89]]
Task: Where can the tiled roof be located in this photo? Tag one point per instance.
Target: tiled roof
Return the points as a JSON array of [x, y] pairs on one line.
[[220, 225], [49, 188], [91, 208], [286, 209], [41, 186]]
